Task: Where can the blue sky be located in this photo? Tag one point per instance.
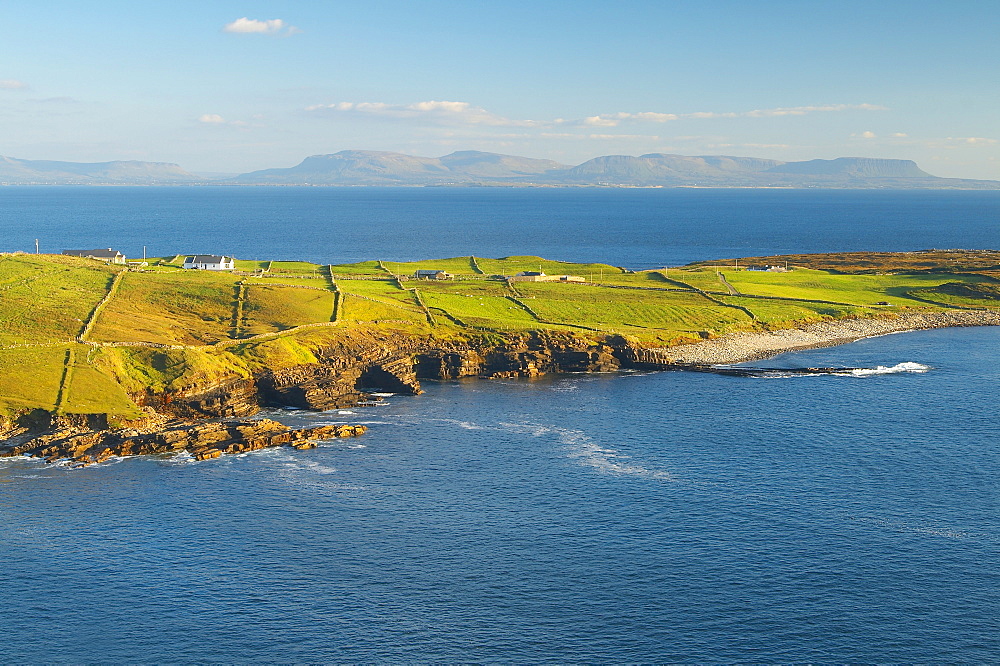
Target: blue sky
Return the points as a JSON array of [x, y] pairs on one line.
[[236, 86]]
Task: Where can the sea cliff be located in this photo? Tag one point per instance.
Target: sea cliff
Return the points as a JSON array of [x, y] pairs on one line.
[[199, 418]]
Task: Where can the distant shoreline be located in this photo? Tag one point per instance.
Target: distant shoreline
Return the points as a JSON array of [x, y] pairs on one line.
[[741, 347]]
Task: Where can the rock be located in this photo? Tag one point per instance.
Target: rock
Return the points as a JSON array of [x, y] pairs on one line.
[[203, 440]]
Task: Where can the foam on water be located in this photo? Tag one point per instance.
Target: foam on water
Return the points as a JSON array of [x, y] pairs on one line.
[[582, 448], [906, 366]]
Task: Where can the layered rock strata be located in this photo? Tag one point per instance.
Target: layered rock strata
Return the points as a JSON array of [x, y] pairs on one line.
[[201, 440]]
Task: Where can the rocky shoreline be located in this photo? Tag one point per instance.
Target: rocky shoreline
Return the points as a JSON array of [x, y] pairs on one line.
[[201, 441], [197, 419], [754, 346]]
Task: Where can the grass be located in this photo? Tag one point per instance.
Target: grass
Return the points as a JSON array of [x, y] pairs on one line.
[[30, 378], [963, 294], [47, 298], [272, 308], [319, 282], [90, 391], [454, 265], [295, 267], [386, 291], [186, 308], [949, 261], [362, 268], [516, 264], [625, 310], [866, 290], [249, 265]]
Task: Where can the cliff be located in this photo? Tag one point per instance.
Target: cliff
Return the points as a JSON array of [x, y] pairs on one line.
[[346, 371]]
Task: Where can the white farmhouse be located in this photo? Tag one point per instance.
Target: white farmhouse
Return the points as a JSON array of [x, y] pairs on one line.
[[210, 262]]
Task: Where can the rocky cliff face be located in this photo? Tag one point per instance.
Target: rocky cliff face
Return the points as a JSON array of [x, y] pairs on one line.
[[528, 356], [344, 374]]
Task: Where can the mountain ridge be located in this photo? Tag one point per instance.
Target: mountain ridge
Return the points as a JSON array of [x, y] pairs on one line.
[[382, 168], [372, 168], [117, 172]]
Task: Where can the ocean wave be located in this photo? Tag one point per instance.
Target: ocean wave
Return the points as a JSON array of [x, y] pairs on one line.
[[779, 373], [588, 452], [906, 366]]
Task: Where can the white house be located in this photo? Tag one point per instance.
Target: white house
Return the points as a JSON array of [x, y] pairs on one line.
[[210, 262]]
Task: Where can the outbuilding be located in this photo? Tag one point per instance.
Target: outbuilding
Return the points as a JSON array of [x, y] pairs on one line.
[[431, 274], [105, 254], [210, 262]]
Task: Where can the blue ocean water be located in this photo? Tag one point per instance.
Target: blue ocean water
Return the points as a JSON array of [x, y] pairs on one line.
[[667, 517], [635, 228]]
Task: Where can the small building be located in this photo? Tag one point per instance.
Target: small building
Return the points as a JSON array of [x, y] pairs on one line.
[[105, 254], [768, 269], [431, 274], [529, 276], [538, 276], [210, 262]]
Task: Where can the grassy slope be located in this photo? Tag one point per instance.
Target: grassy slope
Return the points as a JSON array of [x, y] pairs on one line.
[[46, 300]]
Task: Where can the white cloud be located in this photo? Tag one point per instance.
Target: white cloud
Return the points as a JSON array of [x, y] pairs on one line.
[[464, 113], [868, 134], [614, 119], [12, 84], [620, 137], [899, 135], [437, 112], [780, 146], [212, 119], [972, 140], [249, 26]]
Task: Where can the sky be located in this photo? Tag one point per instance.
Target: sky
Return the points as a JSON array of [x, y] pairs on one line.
[[230, 87]]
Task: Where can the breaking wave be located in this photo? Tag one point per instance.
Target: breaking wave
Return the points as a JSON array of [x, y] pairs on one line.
[[906, 366]]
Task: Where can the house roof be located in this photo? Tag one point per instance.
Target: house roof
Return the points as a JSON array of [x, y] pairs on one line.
[[425, 271], [531, 273], [103, 253], [206, 259]]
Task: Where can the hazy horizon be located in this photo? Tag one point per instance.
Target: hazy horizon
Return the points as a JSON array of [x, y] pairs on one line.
[[236, 87]]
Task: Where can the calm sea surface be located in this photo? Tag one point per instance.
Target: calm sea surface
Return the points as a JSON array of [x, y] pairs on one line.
[[609, 518], [635, 228]]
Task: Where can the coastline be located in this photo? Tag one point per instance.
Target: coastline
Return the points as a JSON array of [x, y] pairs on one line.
[[755, 346]]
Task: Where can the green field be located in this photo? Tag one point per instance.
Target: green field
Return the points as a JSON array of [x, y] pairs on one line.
[[164, 328], [272, 308], [866, 290], [184, 308], [48, 298]]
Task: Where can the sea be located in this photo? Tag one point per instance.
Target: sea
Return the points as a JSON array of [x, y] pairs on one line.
[[600, 518]]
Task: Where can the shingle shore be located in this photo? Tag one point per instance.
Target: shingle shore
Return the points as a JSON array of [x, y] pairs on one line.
[[741, 347]]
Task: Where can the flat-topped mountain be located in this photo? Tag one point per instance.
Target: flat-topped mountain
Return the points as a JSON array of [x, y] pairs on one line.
[[46, 172], [358, 167], [864, 167]]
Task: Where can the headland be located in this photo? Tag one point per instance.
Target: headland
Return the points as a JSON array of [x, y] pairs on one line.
[[106, 359]]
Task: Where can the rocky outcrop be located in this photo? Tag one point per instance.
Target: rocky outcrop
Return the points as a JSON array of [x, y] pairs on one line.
[[524, 356], [349, 372], [201, 440]]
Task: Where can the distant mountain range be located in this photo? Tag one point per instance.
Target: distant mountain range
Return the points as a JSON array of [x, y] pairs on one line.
[[470, 167], [44, 172]]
